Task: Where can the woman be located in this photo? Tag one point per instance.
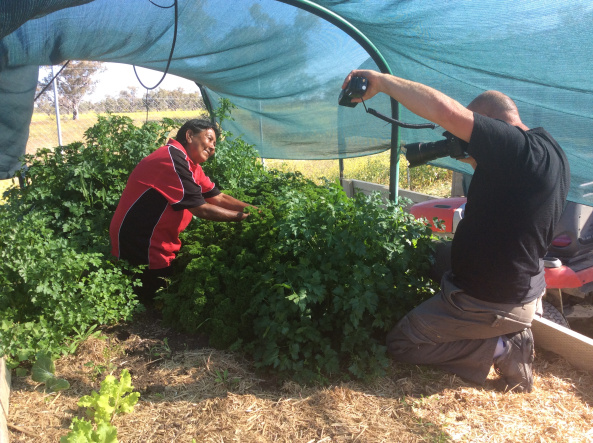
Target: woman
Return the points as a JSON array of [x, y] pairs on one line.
[[165, 190]]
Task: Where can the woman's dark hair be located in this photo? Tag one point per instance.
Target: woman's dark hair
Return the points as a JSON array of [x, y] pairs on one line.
[[196, 125]]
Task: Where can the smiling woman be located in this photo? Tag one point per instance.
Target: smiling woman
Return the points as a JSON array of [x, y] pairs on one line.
[[165, 190], [198, 137]]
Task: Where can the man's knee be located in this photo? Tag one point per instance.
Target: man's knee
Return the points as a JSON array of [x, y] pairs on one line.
[[398, 342]]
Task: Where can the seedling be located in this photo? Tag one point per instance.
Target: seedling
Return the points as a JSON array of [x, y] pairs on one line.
[[43, 371], [161, 351], [114, 398], [223, 378]]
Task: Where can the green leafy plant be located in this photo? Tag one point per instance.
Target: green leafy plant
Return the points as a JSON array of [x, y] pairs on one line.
[[322, 277], [114, 398], [79, 185], [223, 378], [98, 369], [106, 364], [236, 164], [80, 335], [161, 351], [43, 371], [57, 280], [50, 293]]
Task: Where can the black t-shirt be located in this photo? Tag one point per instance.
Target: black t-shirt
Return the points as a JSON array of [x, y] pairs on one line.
[[515, 199]]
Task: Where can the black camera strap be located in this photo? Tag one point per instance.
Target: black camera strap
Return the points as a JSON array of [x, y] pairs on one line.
[[397, 122]]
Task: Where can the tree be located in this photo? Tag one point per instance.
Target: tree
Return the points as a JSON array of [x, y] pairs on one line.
[[44, 102], [74, 82]]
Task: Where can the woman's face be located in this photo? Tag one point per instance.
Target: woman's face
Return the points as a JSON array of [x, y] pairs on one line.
[[200, 145]]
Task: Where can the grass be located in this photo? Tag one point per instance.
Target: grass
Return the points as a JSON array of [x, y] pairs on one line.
[[4, 185], [43, 132], [374, 169]]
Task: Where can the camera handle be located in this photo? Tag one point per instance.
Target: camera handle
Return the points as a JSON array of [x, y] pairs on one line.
[[397, 122]]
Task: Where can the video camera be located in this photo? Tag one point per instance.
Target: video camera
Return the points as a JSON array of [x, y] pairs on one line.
[[421, 153]]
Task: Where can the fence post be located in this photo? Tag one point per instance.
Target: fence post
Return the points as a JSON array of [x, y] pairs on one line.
[[57, 107]]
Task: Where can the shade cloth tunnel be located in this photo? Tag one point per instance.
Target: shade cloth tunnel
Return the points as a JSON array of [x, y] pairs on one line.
[[282, 64]]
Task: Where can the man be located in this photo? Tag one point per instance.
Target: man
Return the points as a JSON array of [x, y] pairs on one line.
[[483, 312], [165, 190]]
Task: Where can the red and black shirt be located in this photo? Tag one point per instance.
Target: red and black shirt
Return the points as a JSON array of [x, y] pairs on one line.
[[153, 208]]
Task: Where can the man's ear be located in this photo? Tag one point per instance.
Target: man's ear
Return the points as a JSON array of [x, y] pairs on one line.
[[188, 135]]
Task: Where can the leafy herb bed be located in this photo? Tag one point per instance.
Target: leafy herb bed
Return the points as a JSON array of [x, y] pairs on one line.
[[308, 285], [57, 281]]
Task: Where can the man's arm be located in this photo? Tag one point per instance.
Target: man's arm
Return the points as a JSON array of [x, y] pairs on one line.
[[222, 207], [422, 100]]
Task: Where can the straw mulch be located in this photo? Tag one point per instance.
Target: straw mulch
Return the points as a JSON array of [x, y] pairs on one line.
[[192, 393]]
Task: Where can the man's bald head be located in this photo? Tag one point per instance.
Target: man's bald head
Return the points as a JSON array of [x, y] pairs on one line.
[[497, 105]]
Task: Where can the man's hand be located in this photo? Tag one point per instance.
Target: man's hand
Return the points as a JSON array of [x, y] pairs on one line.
[[420, 99], [373, 78]]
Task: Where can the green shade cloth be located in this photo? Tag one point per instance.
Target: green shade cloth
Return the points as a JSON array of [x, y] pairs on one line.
[[282, 63]]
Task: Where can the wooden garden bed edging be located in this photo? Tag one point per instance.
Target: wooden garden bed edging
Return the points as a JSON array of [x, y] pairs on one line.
[[4, 395]]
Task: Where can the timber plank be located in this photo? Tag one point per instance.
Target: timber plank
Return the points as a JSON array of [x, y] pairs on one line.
[[576, 348], [4, 396]]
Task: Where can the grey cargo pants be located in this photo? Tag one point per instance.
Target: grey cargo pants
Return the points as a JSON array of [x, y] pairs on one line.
[[456, 332]]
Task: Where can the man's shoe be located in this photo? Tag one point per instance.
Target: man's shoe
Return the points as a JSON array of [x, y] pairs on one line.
[[514, 365]]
